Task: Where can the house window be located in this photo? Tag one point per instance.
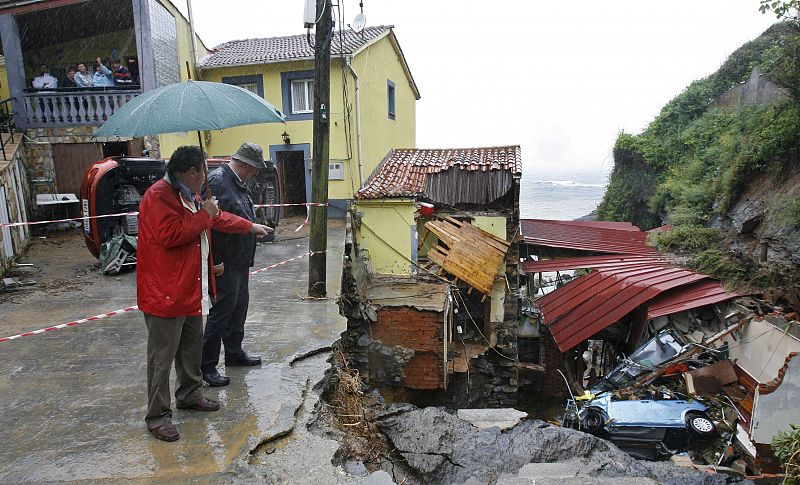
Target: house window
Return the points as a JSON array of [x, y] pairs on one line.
[[297, 90], [303, 96], [253, 83], [252, 87], [390, 98]]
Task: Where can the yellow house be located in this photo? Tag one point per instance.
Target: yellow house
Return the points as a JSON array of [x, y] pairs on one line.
[[373, 106]]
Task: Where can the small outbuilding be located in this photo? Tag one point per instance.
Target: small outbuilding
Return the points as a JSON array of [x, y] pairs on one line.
[[430, 279]]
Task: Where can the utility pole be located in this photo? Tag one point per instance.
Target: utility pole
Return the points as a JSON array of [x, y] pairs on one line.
[[318, 241]]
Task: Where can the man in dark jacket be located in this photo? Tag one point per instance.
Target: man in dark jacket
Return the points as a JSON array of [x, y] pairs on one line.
[[174, 284], [225, 324]]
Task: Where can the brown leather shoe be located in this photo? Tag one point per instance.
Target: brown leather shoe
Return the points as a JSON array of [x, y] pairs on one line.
[[166, 432], [202, 405]]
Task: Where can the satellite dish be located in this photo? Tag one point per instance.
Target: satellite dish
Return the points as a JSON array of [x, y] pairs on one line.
[[359, 22]]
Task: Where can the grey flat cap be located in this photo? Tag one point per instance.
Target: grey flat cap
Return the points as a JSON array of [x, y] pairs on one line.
[[251, 154]]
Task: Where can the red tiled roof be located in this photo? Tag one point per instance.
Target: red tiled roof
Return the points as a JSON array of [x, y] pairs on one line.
[[286, 48], [404, 171], [699, 294], [585, 306], [585, 236]]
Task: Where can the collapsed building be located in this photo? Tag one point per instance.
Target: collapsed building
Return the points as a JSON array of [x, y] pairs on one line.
[[430, 276], [610, 313]]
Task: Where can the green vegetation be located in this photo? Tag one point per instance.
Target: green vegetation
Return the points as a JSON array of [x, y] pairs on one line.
[[685, 239], [786, 446], [692, 161], [697, 157], [713, 262], [789, 214]]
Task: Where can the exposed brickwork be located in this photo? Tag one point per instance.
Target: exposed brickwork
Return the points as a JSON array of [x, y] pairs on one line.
[[424, 371], [420, 331], [409, 328], [552, 360]]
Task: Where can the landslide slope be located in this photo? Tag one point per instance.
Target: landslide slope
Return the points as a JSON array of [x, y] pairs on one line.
[[727, 179]]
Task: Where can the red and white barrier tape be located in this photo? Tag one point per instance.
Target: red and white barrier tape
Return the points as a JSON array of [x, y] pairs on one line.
[[310, 253], [64, 325], [33, 223], [132, 308], [82, 218], [308, 214], [307, 204]]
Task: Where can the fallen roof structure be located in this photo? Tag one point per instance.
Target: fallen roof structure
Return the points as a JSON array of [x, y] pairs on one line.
[[630, 275], [587, 236], [585, 306], [468, 253]]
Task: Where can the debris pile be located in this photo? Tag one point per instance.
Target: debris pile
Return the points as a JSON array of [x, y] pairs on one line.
[[708, 390]]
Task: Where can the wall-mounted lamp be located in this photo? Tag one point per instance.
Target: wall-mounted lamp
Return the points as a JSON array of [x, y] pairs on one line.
[[286, 138]]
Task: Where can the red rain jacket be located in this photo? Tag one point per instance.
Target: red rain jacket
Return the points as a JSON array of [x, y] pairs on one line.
[[168, 254]]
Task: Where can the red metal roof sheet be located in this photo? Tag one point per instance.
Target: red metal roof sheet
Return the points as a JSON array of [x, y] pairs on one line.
[[585, 306], [619, 226], [687, 297], [403, 172], [590, 262], [586, 237]]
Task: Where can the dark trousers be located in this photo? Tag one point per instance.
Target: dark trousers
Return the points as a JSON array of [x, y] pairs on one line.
[[225, 322], [172, 339]]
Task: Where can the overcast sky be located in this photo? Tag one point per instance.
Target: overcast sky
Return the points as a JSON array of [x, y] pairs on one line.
[[559, 78]]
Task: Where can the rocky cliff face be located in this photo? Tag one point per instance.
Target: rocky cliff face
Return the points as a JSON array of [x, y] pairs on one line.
[[760, 233]]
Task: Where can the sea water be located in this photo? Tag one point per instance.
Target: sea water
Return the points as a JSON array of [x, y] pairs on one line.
[[563, 195]]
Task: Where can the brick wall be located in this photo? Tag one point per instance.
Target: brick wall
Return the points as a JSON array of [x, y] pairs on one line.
[[552, 360], [420, 331]]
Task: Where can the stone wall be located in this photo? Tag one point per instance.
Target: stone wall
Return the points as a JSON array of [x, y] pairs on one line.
[[756, 91]]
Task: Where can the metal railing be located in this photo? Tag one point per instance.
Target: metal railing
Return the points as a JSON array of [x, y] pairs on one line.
[[6, 125], [80, 108]]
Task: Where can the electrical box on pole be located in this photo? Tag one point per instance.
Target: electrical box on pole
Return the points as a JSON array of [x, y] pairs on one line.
[[310, 13]]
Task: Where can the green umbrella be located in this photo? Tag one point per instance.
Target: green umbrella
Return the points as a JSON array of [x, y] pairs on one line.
[[189, 106]]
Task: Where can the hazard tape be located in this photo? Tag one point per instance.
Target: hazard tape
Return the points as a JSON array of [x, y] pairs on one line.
[[307, 204], [65, 325], [33, 223], [83, 218], [310, 253], [132, 308]]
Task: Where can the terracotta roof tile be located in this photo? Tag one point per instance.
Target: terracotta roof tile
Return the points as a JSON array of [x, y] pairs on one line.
[[404, 171], [287, 48]]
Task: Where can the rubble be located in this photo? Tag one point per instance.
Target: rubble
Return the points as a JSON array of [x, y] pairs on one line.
[[440, 448]]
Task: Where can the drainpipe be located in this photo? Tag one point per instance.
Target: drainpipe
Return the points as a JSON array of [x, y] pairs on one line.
[[191, 32], [348, 60]]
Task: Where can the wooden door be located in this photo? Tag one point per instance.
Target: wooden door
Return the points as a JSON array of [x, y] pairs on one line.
[[71, 161]]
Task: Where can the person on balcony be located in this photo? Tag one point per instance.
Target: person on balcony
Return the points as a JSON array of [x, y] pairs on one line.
[[83, 78], [102, 75], [69, 81], [45, 80], [122, 76]]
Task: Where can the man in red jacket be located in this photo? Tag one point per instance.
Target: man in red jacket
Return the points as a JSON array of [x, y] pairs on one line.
[[174, 283]]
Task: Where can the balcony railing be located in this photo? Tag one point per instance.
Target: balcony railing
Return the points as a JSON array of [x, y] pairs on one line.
[[74, 108]]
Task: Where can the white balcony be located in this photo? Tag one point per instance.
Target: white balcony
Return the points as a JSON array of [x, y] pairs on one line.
[[45, 109]]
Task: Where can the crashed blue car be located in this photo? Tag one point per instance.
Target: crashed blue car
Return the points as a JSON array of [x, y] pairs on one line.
[[647, 428]]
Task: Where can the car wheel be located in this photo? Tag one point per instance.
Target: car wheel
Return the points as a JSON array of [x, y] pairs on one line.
[[592, 422], [700, 424]]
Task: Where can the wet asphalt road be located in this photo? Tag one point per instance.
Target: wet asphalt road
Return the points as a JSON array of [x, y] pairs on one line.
[[73, 400]]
